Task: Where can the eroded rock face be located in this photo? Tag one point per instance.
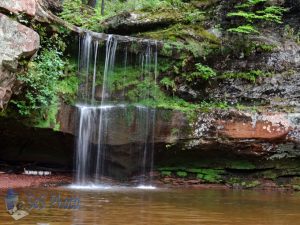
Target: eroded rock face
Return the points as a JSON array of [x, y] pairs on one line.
[[247, 133], [16, 42], [280, 91]]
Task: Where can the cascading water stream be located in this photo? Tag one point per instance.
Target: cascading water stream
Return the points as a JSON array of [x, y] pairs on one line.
[[96, 114]]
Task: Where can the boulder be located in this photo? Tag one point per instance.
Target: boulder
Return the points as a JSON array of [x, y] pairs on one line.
[[17, 42], [19, 6], [128, 23], [30, 7]]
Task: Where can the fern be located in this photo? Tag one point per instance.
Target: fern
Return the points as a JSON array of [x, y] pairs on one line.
[[248, 11], [250, 3], [244, 29]]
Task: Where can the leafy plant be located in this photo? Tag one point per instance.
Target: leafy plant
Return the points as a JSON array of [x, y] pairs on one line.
[[244, 29], [202, 71], [77, 13], [251, 75], [181, 174], [40, 82], [205, 105], [253, 11], [291, 33], [168, 83]]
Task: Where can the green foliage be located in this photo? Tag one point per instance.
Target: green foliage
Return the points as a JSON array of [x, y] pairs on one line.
[[291, 33], [194, 16], [253, 11], [169, 84], [40, 82], [166, 173], [266, 47], [182, 40], [207, 106], [181, 173], [202, 71], [67, 88], [81, 15], [244, 29], [250, 184], [242, 165], [252, 75], [250, 3], [50, 39]]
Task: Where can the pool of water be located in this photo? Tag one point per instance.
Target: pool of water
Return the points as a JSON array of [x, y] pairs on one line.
[[130, 206]]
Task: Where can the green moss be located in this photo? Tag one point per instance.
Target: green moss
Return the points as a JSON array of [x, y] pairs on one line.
[[295, 181], [181, 173], [67, 88], [250, 184], [296, 187], [266, 47], [205, 171], [171, 169], [48, 120], [238, 182], [241, 165], [269, 174], [233, 181], [181, 40], [167, 50], [208, 175], [165, 173]]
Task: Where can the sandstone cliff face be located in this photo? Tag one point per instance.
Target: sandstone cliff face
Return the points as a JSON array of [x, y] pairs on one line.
[[17, 42]]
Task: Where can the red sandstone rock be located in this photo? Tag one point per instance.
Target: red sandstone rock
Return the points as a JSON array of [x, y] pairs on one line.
[[16, 41], [21, 181], [19, 6], [275, 126]]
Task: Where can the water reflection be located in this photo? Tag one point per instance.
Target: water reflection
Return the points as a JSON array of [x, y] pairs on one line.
[[134, 206]]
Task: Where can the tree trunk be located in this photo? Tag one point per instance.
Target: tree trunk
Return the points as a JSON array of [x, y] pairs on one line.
[[102, 7], [92, 3]]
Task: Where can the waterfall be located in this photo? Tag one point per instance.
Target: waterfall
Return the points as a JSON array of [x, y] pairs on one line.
[[98, 115]]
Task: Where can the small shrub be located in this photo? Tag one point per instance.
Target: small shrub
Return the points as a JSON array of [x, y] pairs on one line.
[[252, 75], [166, 173], [168, 83], [202, 71], [40, 82], [181, 173]]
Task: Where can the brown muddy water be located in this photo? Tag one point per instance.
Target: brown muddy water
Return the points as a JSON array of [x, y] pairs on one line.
[[131, 206]]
